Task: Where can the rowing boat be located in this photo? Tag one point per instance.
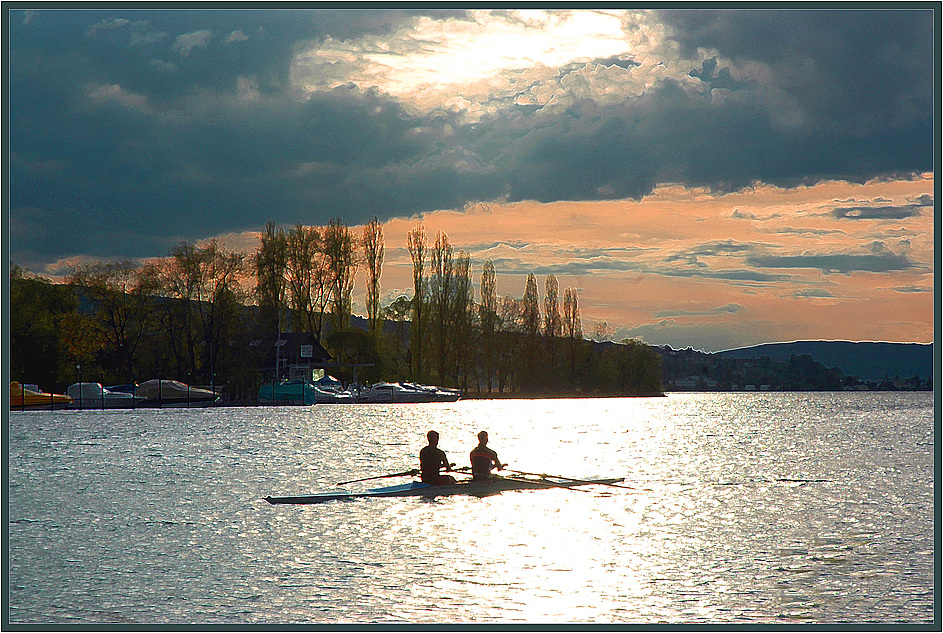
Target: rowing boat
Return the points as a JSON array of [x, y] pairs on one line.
[[485, 488]]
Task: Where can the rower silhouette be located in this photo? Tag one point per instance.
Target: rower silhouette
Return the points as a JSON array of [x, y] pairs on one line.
[[431, 459], [483, 459]]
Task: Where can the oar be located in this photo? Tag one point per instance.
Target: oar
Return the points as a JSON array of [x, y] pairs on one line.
[[405, 473], [577, 481], [531, 481], [546, 484]]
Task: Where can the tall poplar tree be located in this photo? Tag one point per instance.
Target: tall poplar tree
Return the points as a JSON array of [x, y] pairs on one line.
[[307, 279], [271, 262], [551, 318], [373, 258], [440, 295], [461, 323], [531, 307], [416, 243], [342, 264], [488, 317], [509, 349], [572, 326]]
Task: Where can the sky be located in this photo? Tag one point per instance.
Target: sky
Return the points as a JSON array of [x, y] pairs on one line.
[[703, 178]]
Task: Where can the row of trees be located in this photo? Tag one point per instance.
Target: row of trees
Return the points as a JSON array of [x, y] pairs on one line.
[[196, 315], [182, 317]]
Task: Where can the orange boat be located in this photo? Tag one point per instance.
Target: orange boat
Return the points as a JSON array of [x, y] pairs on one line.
[[23, 397]]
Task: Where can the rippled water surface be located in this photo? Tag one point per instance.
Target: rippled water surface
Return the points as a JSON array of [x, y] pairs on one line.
[[157, 517]]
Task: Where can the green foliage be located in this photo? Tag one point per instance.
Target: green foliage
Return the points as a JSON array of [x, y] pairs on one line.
[[338, 247], [38, 355], [353, 346], [121, 294], [271, 263]]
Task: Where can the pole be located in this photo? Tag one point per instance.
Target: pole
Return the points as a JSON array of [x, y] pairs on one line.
[[212, 376]]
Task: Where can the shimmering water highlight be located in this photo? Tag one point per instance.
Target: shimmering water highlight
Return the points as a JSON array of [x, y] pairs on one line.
[[156, 516]]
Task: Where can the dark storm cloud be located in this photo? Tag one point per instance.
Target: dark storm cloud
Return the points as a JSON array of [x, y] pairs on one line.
[[876, 213], [744, 275], [813, 293], [693, 256], [849, 69], [574, 268], [883, 212], [129, 156], [131, 130], [786, 230], [837, 263], [730, 308]]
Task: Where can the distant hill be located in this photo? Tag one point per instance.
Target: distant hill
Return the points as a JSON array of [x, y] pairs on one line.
[[868, 361]]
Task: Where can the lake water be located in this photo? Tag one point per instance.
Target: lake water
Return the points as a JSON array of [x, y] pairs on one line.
[[156, 516]]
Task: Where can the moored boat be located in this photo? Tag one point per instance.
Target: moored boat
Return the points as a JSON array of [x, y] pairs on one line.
[[390, 392], [493, 486], [174, 393], [393, 392], [296, 392], [329, 390], [31, 397], [91, 395]]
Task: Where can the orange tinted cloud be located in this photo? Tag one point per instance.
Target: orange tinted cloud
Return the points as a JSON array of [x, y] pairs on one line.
[[687, 267]]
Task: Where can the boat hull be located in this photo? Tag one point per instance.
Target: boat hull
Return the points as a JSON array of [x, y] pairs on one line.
[[23, 398], [486, 488]]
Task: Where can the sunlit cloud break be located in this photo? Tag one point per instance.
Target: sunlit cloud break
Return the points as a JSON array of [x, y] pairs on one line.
[[540, 60]]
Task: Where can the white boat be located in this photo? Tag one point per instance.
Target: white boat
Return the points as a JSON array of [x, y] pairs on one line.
[[330, 390], [392, 392], [329, 396], [91, 395], [389, 392], [174, 393], [442, 394]]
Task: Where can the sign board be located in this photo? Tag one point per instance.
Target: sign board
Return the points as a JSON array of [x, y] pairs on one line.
[[307, 351]]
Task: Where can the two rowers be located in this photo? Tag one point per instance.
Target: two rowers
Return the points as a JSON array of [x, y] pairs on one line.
[[432, 459]]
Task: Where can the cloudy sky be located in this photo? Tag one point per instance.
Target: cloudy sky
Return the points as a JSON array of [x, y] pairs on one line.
[[703, 178]]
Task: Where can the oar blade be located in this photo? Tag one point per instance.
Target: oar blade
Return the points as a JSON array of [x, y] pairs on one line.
[[405, 473], [571, 479]]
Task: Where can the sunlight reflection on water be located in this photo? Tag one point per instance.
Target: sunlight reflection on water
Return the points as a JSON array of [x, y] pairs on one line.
[[709, 532]]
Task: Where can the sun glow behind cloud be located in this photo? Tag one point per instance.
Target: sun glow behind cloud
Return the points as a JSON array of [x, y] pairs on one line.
[[500, 59]]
